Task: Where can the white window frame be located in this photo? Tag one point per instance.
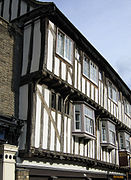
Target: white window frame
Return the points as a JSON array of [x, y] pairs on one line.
[[90, 70], [67, 50], [109, 130]]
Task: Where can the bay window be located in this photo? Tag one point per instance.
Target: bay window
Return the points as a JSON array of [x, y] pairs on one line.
[[108, 134], [124, 141], [90, 70], [84, 121], [64, 46]]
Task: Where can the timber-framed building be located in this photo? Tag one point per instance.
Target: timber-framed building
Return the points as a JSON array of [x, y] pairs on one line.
[[75, 109]]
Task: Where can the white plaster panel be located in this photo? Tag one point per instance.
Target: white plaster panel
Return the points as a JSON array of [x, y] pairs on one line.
[[57, 66], [52, 140], [76, 74], [81, 148], [38, 118], [83, 85], [0, 7], [76, 145], [69, 135], [26, 44], [79, 76], [96, 95], [105, 97], [59, 130], [70, 77], [86, 149], [112, 107], [50, 51], [63, 71], [14, 9], [109, 108], [6, 9], [36, 47], [22, 138], [52, 25], [65, 134], [92, 92], [88, 89], [101, 94], [23, 102], [46, 120], [23, 8]]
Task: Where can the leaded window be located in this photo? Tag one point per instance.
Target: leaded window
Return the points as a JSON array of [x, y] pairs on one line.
[[64, 46]]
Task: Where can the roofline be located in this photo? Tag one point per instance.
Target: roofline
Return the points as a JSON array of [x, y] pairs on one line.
[[53, 12]]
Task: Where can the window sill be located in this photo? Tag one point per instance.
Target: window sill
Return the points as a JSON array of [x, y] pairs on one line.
[[124, 150], [115, 102], [64, 59], [108, 145], [84, 135], [96, 84]]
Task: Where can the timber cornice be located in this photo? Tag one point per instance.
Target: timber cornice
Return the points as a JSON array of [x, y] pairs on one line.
[[35, 154], [50, 11], [54, 82]]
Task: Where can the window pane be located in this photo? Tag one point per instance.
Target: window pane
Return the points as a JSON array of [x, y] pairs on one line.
[[53, 100], [59, 103], [93, 72], [89, 112], [68, 49], [77, 117], [89, 125], [60, 44], [121, 142], [111, 126], [104, 132], [86, 67], [112, 137], [127, 145]]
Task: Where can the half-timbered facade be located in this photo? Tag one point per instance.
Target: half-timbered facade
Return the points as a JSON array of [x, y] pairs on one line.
[[75, 107]]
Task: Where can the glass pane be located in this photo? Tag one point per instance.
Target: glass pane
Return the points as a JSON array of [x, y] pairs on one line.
[[89, 125], [112, 137], [89, 112], [127, 145], [68, 49], [59, 103], [104, 132], [86, 67], [60, 44], [93, 72], [53, 100], [77, 117], [111, 126], [121, 142]]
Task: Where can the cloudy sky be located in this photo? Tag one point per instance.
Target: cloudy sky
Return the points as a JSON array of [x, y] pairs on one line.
[[107, 25]]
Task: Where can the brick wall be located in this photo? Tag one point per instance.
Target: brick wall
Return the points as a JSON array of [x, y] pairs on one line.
[[7, 96]]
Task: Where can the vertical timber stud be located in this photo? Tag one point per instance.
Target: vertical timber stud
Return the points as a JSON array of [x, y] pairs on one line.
[[7, 161], [29, 116], [43, 34]]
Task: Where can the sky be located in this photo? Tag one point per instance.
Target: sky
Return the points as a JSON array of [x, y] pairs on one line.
[[107, 26]]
